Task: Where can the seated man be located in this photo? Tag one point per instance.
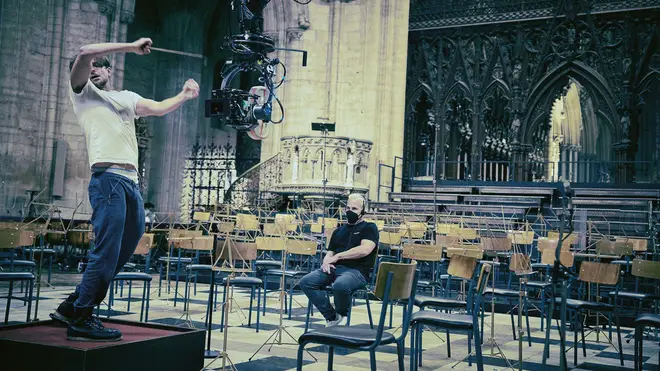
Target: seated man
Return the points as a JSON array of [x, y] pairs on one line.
[[351, 256]]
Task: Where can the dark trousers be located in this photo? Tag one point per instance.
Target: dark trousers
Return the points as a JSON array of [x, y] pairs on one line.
[[343, 280], [118, 222]]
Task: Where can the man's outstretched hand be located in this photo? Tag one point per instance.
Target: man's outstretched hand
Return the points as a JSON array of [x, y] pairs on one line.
[[142, 46], [190, 89]]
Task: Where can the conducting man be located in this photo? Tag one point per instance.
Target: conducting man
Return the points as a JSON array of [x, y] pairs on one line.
[[118, 219]]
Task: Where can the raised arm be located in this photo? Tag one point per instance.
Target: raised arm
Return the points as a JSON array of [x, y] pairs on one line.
[[82, 66], [148, 107]]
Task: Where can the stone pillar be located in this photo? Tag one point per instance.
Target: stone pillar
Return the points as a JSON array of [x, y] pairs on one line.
[[175, 133], [519, 153], [563, 159], [624, 170], [656, 156], [355, 78], [126, 17]]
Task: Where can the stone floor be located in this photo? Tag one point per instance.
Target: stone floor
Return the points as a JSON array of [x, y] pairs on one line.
[[243, 341]]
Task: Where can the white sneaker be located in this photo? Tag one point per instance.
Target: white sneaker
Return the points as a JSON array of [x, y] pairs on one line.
[[340, 321]]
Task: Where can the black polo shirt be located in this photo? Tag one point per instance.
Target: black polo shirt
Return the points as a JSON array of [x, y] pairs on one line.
[[349, 236]]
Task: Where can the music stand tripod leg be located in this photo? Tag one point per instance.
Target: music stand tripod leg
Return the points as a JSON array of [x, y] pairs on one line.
[[208, 353], [277, 334]]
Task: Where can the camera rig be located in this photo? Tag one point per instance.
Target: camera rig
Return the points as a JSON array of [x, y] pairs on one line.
[[251, 110]]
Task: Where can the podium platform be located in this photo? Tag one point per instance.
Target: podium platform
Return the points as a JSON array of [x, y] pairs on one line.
[[145, 346]]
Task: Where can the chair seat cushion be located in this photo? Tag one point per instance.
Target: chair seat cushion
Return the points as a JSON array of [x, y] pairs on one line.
[[268, 263], [502, 292], [422, 283], [635, 295], [540, 266], [16, 276], [19, 263], [38, 251], [648, 319], [244, 281], [387, 258], [456, 278], [583, 304], [538, 284], [174, 260], [133, 276], [345, 336], [278, 272], [361, 289], [199, 267], [444, 320], [429, 301]]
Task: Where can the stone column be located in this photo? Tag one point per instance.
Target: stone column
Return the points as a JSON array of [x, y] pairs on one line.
[[520, 164], [656, 156], [174, 134], [623, 173], [563, 159], [126, 17]]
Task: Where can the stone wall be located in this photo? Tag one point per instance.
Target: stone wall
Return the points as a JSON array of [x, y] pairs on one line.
[[38, 39], [355, 75]]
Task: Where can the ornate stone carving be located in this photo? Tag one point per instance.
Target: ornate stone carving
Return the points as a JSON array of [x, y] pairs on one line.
[[293, 34], [622, 146], [274, 35], [303, 17], [106, 8], [532, 62], [127, 17], [346, 162]]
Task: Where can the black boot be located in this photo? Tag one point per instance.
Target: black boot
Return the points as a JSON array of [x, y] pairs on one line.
[[65, 312], [85, 327]]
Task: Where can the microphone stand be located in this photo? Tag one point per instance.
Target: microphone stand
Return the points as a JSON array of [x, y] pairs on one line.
[[558, 272]]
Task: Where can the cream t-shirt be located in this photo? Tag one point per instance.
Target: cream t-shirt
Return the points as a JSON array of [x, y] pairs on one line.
[[107, 120]]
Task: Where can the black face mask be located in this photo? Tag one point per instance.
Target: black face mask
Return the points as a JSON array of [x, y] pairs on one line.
[[352, 216]]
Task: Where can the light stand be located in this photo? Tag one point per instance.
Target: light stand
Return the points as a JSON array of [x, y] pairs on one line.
[[435, 184], [325, 128], [558, 272]]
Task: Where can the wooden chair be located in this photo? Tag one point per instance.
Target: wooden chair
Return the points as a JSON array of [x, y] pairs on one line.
[[462, 268], [467, 323], [12, 238], [395, 281], [649, 272], [245, 252], [598, 274]]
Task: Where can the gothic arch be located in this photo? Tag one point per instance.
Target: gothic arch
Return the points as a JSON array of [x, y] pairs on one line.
[[417, 93], [557, 79], [458, 86], [647, 81], [494, 84]]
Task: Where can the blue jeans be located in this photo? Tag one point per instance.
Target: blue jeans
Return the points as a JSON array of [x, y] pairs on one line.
[[344, 281], [118, 222]]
